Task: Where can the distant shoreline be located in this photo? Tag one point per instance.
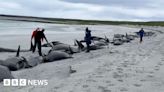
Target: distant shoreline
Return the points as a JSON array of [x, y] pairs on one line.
[[77, 21]]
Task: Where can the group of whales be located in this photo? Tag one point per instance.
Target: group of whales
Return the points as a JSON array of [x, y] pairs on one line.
[[58, 51]]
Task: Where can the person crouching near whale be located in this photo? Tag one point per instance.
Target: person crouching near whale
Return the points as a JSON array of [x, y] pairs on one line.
[[87, 38], [39, 36]]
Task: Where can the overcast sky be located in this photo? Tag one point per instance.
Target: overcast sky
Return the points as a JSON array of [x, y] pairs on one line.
[[129, 10]]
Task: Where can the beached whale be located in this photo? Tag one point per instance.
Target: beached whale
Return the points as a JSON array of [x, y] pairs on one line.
[[51, 43], [5, 73], [118, 39], [66, 48], [92, 47], [11, 50], [56, 45], [97, 41], [101, 43], [32, 60], [56, 55], [14, 63], [20, 62], [96, 38], [130, 37], [117, 42]]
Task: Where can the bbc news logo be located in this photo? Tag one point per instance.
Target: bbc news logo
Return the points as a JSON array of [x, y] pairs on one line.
[[24, 82]]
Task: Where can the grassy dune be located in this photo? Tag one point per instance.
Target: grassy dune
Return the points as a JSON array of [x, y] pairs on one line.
[[77, 21]]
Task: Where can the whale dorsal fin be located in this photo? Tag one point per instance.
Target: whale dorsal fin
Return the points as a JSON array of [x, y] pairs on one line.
[[17, 55], [75, 44], [80, 45], [107, 40]]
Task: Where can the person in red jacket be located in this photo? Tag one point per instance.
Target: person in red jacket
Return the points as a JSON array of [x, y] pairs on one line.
[[38, 38], [32, 36]]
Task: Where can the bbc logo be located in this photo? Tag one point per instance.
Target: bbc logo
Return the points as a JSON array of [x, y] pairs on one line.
[[24, 82], [14, 82]]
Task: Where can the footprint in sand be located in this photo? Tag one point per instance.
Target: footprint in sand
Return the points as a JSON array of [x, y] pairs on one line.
[[137, 85], [108, 81], [56, 87], [91, 80], [111, 64], [108, 70], [120, 80], [150, 76], [162, 59], [99, 76], [160, 63], [143, 80], [104, 89], [151, 72], [120, 69], [157, 68], [111, 84], [116, 75], [124, 65], [85, 86], [123, 89]]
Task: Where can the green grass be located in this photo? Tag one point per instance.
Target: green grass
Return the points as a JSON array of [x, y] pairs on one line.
[[80, 22]]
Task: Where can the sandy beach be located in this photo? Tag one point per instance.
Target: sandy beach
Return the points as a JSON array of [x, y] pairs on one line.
[[131, 67]]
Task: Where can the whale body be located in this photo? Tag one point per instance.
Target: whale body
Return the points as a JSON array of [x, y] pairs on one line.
[[5, 73], [56, 55]]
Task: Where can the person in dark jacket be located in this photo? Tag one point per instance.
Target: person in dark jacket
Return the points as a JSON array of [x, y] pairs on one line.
[[38, 38], [88, 38], [141, 34]]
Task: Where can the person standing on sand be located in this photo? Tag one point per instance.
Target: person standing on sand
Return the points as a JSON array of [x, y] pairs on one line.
[[87, 38], [32, 36], [141, 33], [38, 37]]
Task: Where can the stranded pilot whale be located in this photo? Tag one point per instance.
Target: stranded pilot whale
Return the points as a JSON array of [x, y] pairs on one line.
[[20, 62], [92, 47], [97, 41], [56, 55], [11, 50], [5, 73], [58, 46], [15, 63]]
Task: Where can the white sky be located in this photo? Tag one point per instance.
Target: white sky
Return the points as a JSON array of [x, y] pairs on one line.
[[129, 10]]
